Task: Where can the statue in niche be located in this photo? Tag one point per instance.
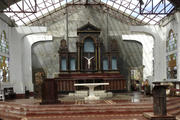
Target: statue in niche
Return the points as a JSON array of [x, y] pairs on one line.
[[114, 45], [63, 43], [89, 61], [63, 46]]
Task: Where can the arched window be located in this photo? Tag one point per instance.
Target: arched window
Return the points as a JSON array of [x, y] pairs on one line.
[[4, 61], [171, 56], [4, 47], [171, 42], [88, 45], [4, 69]]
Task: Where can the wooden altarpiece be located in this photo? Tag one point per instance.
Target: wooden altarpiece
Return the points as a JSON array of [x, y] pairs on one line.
[[89, 62]]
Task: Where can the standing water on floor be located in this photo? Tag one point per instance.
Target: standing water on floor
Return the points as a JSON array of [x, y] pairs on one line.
[[136, 97]]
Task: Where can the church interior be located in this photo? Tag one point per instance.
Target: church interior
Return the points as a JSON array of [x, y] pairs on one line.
[[89, 59]]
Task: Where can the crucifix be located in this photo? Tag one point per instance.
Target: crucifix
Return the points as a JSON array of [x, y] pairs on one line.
[[89, 61]]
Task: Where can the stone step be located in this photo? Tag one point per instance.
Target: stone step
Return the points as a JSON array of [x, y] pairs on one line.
[[80, 109], [174, 108], [173, 100], [14, 111], [87, 117], [20, 111], [175, 112], [10, 116], [177, 117], [62, 106], [87, 112]]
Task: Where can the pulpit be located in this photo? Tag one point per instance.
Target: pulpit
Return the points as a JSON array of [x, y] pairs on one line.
[[159, 104], [49, 92]]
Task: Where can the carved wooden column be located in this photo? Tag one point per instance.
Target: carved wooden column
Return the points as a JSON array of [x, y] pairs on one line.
[[99, 56], [81, 56], [78, 55], [96, 55]]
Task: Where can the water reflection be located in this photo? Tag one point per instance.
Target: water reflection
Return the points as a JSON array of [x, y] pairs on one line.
[[135, 97]]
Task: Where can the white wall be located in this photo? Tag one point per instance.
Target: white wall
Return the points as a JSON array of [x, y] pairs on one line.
[[159, 48], [28, 41], [20, 41], [20, 52], [148, 44], [160, 34]]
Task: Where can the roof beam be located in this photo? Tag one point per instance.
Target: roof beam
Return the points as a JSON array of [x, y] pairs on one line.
[[21, 8], [161, 5]]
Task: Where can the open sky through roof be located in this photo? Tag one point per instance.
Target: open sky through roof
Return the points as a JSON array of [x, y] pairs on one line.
[[128, 7]]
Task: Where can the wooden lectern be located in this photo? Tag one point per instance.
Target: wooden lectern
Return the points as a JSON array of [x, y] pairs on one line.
[[49, 92], [159, 104]]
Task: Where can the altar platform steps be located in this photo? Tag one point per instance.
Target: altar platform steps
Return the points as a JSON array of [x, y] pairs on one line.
[[174, 108], [12, 111], [74, 109], [95, 110]]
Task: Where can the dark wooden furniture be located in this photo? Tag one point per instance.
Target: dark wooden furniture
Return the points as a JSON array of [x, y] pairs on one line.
[[159, 104], [159, 100], [9, 93], [49, 92], [65, 82]]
